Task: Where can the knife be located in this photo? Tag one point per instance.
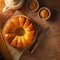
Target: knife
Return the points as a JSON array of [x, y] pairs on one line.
[[38, 39]]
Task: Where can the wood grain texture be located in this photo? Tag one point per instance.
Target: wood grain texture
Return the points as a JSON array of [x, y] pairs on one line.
[[49, 47]]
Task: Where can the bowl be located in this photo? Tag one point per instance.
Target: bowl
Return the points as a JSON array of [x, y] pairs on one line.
[[44, 13], [32, 5]]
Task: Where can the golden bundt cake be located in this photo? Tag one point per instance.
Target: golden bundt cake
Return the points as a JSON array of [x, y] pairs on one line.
[[19, 32]]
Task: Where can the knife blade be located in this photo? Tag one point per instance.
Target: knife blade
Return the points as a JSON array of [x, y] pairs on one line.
[[38, 39]]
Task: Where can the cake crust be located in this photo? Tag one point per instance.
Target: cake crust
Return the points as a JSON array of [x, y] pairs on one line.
[[9, 32]]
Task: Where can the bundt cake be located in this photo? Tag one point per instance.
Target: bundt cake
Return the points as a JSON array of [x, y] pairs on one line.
[[19, 32]]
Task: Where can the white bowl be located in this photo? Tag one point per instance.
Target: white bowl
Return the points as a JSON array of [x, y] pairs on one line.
[[34, 9], [48, 12]]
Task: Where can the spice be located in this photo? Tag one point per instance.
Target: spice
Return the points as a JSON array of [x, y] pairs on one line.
[[44, 13], [32, 5]]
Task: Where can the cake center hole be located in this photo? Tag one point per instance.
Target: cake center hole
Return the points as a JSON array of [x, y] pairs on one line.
[[20, 31]]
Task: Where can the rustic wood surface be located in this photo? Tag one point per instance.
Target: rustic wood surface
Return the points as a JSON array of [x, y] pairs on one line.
[[49, 47]]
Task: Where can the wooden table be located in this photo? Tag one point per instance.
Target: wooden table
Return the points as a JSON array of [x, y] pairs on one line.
[[49, 47]]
